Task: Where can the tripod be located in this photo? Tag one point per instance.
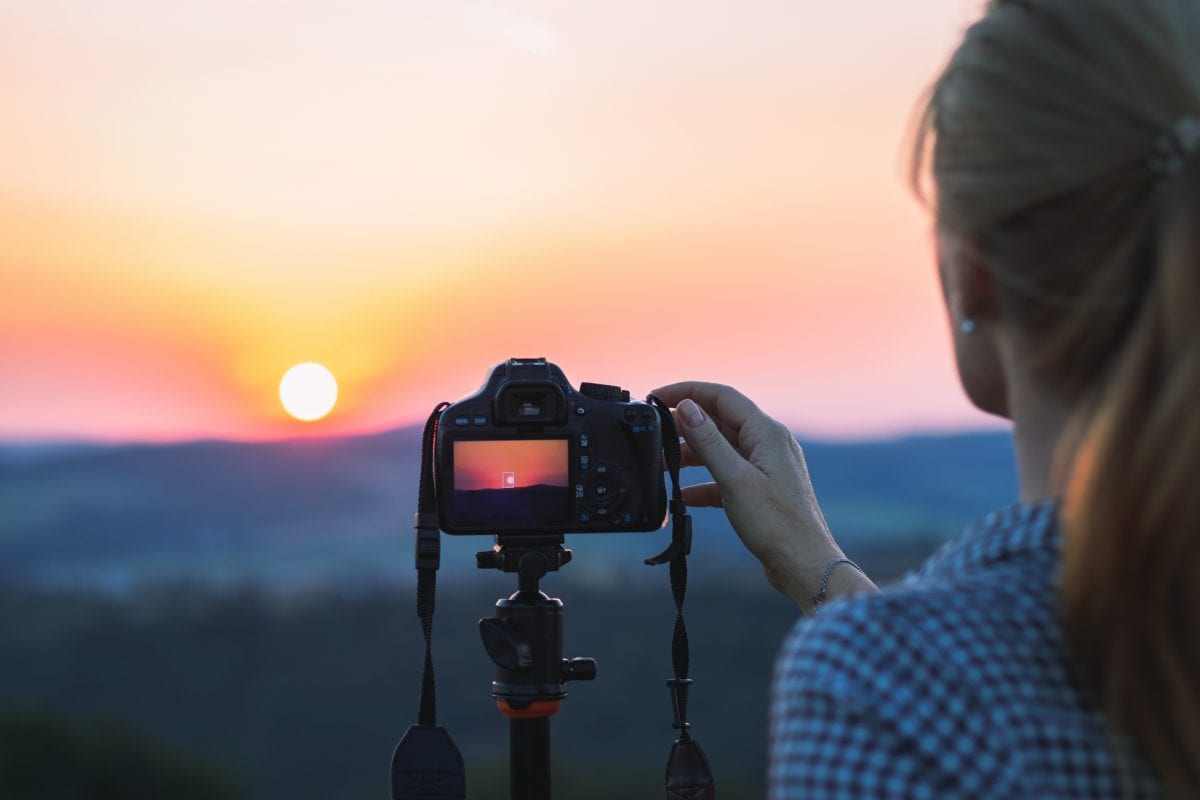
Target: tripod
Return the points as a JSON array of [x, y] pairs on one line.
[[524, 639]]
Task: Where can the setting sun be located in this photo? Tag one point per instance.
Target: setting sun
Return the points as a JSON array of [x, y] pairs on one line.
[[308, 391]]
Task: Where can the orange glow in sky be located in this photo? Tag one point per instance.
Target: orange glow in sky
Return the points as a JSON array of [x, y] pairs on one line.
[[196, 196]]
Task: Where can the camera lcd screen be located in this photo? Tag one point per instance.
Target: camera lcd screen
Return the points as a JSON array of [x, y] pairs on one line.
[[511, 482]]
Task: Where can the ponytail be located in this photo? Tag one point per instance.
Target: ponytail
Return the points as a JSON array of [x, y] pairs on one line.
[[1131, 566], [1064, 141]]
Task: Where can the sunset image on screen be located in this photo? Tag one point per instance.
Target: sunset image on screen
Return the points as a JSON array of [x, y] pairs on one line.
[[510, 464]]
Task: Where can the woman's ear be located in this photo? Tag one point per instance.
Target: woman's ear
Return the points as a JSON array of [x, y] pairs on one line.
[[971, 305], [967, 286]]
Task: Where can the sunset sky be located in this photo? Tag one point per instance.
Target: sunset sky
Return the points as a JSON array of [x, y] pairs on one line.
[[196, 196]]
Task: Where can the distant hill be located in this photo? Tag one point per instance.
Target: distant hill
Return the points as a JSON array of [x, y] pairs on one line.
[[240, 606], [336, 512]]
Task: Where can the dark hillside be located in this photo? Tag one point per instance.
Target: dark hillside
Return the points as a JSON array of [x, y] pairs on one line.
[[306, 513]]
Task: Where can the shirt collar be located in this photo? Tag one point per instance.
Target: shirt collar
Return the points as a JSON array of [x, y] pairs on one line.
[[1018, 531]]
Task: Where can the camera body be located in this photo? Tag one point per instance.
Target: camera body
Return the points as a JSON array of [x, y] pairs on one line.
[[529, 455]]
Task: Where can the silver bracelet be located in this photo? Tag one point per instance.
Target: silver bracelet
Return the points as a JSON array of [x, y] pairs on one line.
[[819, 597]]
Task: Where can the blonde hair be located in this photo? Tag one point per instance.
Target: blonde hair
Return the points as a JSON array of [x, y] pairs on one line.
[[1060, 145]]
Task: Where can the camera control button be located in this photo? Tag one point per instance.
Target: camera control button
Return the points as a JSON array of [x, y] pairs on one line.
[[585, 462], [462, 421], [579, 491], [602, 492], [585, 440], [585, 517], [477, 420], [580, 411], [630, 414]]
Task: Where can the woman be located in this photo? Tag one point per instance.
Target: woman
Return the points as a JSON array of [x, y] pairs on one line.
[[1053, 650]]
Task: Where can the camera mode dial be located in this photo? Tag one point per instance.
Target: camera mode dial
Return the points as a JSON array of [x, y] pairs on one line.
[[602, 391]]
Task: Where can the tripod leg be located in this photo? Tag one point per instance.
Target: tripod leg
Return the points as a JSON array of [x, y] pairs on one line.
[[529, 758]]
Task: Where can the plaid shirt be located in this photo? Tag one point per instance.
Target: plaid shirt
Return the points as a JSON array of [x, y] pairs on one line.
[[954, 683]]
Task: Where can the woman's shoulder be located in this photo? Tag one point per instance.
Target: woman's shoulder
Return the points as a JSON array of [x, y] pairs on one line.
[[937, 688], [874, 689], [961, 669], [979, 606], [912, 678], [921, 632]]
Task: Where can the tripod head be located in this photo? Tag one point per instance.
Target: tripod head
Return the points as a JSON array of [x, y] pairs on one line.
[[524, 639], [531, 557]]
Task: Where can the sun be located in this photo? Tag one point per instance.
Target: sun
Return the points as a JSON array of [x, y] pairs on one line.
[[308, 391]]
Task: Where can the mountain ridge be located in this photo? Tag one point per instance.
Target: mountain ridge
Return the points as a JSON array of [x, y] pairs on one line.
[[300, 512]]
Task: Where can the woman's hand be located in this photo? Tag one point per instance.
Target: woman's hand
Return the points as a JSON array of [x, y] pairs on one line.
[[762, 482]]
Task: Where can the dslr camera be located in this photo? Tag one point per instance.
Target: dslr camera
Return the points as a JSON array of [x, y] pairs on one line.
[[528, 454]]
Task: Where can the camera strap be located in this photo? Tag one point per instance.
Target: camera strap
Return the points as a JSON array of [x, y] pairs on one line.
[[689, 776], [427, 763]]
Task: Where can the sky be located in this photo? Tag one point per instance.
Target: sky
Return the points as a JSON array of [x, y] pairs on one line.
[[196, 196]]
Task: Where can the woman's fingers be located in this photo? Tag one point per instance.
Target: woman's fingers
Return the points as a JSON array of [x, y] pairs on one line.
[[710, 445], [703, 495], [730, 407], [761, 482], [687, 458]]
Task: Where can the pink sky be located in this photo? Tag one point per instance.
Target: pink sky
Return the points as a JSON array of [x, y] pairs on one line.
[[197, 196]]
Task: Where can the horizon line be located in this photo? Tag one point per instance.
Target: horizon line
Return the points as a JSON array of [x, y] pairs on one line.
[[67, 441]]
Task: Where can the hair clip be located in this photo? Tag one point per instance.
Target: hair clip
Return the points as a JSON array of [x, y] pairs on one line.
[[1176, 147]]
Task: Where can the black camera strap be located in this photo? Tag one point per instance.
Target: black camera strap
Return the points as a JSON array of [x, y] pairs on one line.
[[689, 776], [427, 763]]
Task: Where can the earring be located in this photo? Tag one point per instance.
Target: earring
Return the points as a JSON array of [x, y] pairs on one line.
[[968, 326]]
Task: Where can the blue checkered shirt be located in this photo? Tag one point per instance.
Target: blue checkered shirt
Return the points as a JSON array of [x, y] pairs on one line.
[[954, 683]]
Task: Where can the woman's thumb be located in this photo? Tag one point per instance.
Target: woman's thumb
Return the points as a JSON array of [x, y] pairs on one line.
[[708, 443]]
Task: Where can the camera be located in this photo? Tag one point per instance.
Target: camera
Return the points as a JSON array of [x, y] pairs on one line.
[[528, 454]]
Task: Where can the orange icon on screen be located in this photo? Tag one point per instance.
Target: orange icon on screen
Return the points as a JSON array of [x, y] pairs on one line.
[[508, 480]]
